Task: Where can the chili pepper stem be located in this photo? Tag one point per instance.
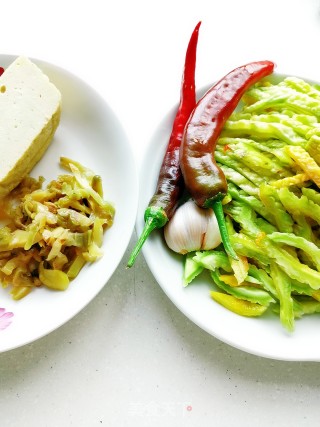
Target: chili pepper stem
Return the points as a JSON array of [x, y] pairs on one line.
[[155, 217], [218, 210], [149, 226]]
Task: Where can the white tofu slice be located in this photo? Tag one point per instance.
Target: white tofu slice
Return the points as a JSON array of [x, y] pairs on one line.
[[30, 107]]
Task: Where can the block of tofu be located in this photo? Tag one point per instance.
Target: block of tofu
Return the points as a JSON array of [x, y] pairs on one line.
[[30, 108]]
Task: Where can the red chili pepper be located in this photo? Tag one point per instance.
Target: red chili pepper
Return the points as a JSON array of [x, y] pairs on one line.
[[170, 183], [203, 178]]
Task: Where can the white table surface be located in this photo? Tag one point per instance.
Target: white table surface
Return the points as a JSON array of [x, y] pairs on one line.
[[130, 358]]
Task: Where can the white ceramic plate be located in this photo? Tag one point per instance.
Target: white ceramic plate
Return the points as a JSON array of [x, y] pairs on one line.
[[261, 336], [90, 133]]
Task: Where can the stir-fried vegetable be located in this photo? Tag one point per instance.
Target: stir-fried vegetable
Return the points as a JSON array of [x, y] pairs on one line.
[[269, 152], [50, 234]]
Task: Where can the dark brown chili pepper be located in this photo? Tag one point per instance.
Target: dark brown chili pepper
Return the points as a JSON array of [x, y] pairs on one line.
[[170, 183], [203, 178]]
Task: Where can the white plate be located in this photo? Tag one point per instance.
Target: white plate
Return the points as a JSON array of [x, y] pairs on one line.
[[261, 336], [90, 133]]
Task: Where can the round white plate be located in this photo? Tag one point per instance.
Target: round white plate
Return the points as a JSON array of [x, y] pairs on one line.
[[262, 336], [90, 133]]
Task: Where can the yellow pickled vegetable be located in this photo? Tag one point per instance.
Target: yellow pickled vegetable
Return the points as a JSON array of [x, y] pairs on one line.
[[238, 306], [50, 234], [54, 279]]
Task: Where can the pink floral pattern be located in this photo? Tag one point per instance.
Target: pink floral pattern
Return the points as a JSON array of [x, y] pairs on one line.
[[5, 318]]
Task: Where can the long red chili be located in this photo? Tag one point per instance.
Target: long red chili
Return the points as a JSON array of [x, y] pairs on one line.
[[170, 183], [203, 178]]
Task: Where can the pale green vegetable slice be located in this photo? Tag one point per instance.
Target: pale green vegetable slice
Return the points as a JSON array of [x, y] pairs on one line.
[[283, 286]]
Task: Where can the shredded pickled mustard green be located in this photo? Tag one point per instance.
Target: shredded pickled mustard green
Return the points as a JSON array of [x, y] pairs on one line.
[[48, 235]]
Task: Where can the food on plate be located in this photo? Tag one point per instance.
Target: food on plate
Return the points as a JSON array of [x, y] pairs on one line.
[[170, 185], [30, 112], [51, 233], [269, 151], [249, 154]]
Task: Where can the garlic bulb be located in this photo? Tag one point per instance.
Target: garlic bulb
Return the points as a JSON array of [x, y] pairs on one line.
[[192, 228]]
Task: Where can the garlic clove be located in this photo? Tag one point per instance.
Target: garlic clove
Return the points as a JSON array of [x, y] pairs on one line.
[[192, 228], [185, 229]]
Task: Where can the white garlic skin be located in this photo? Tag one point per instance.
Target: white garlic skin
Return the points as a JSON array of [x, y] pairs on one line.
[[191, 229]]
